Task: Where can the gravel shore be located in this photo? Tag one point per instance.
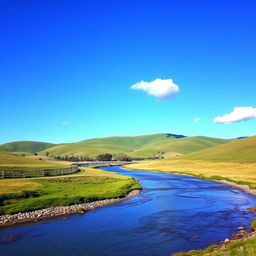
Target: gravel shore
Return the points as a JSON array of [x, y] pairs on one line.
[[244, 188], [6, 220]]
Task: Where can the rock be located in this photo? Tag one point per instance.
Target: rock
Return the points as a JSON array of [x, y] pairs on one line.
[[241, 228], [252, 209], [226, 240]]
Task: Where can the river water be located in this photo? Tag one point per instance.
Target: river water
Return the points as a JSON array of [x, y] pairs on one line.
[[172, 213]]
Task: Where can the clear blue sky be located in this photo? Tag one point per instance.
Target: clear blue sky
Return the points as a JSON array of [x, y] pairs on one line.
[[66, 67]]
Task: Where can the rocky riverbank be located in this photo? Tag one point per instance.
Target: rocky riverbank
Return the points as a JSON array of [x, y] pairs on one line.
[[6, 220], [244, 188]]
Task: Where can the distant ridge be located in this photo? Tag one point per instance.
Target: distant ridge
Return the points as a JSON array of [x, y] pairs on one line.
[[240, 138], [175, 135], [155, 145]]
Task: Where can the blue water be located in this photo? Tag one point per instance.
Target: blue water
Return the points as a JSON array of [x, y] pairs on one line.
[[173, 213]]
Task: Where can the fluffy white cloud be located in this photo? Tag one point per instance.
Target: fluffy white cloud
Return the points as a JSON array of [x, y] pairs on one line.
[[239, 114], [163, 89], [197, 119]]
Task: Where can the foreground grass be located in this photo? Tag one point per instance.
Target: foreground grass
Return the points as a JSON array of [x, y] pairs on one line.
[[21, 195], [235, 248]]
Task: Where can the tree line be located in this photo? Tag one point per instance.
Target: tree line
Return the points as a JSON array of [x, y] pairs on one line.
[[102, 157]]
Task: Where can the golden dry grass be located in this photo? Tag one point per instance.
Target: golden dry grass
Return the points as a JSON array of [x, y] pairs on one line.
[[17, 185], [245, 172]]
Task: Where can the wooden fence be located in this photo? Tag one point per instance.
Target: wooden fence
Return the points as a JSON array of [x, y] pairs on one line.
[[16, 174], [105, 163]]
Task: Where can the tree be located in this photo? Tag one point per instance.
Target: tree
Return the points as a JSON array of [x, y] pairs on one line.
[[47, 153], [123, 158], [104, 157]]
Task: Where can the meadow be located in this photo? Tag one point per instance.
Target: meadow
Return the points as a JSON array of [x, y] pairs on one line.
[[21, 195], [241, 173]]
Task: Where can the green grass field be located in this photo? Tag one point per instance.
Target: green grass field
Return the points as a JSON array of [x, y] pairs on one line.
[[138, 146], [21, 195]]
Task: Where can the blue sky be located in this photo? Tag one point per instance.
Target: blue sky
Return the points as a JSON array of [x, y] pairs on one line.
[[66, 68]]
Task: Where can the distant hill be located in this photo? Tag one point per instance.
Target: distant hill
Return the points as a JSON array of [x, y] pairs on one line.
[[137, 146], [25, 146], [243, 150], [183, 145], [175, 135]]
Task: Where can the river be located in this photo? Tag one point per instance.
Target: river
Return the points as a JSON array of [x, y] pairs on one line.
[[172, 213]]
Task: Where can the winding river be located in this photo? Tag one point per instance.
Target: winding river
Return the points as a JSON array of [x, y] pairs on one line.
[[173, 213]]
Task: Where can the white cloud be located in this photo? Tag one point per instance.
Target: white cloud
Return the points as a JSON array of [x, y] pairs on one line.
[[239, 114], [163, 89], [197, 119], [65, 123]]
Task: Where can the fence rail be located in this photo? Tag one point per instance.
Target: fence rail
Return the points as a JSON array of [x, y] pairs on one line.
[[106, 163], [16, 174]]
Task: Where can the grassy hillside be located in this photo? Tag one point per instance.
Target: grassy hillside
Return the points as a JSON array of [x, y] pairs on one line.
[[236, 151], [183, 145], [10, 161], [114, 145], [138, 146], [25, 146]]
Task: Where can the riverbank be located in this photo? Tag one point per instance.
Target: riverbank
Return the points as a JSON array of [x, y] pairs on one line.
[[7, 220], [244, 188], [22, 199]]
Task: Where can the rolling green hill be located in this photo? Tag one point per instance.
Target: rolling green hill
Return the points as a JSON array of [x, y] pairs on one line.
[[137, 146], [183, 145], [243, 150], [25, 146]]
